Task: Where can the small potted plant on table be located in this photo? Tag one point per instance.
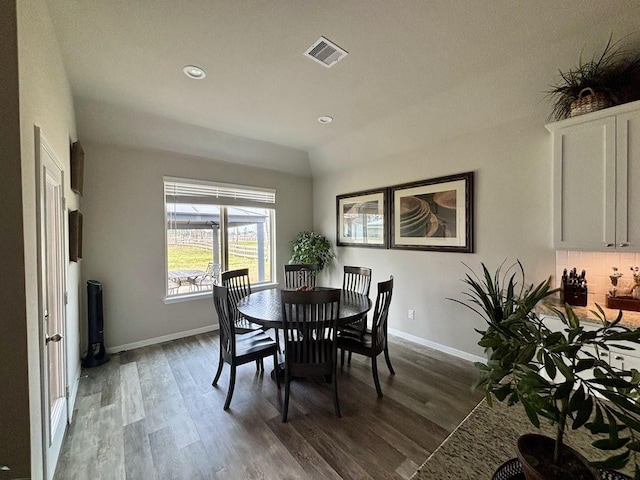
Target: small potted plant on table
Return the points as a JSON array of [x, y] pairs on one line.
[[555, 375]]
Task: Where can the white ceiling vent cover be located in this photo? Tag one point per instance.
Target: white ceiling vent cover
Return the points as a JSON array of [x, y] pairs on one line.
[[325, 52]]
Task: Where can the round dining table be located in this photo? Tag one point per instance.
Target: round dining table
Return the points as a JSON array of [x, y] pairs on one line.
[[264, 307]]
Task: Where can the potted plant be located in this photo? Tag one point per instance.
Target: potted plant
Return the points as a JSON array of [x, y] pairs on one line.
[[311, 247], [606, 80], [556, 375]]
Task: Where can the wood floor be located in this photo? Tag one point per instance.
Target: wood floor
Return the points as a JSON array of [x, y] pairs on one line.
[[152, 413]]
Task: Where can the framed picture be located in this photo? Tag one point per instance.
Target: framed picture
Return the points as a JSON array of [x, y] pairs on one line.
[[75, 235], [435, 214], [362, 219], [77, 167]]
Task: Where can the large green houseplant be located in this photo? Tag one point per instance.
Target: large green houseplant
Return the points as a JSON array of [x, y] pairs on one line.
[[312, 247], [557, 375]]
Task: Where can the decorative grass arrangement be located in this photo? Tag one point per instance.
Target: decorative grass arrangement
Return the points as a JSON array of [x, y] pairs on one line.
[[614, 76]]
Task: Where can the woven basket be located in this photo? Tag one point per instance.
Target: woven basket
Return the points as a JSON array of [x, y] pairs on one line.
[[589, 101]]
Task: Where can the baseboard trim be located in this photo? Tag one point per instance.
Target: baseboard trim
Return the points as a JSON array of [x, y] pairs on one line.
[[73, 393], [438, 346], [196, 331], [162, 339]]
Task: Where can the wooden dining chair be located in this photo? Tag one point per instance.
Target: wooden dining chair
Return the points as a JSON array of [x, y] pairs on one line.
[[238, 286], [300, 275], [357, 279], [374, 341], [309, 321], [238, 349]]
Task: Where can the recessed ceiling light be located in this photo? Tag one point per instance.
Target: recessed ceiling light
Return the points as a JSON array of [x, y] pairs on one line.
[[325, 119], [194, 72]]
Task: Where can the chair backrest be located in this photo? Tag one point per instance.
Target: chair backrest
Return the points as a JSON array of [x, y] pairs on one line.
[[209, 269], [299, 275], [309, 322], [357, 279], [227, 327], [238, 286], [381, 314]]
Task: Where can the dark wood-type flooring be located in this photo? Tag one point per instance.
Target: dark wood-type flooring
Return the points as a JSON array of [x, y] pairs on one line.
[[151, 413]]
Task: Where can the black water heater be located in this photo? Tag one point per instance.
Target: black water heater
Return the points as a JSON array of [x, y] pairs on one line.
[[96, 353]]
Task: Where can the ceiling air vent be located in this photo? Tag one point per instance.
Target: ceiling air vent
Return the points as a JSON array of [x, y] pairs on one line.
[[325, 52]]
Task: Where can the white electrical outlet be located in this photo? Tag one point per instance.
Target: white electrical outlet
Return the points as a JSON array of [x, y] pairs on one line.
[[411, 314]]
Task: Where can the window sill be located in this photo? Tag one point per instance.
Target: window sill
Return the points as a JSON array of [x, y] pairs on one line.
[[187, 297]]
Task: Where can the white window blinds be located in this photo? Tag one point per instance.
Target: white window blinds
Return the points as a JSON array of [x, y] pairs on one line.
[[200, 192]]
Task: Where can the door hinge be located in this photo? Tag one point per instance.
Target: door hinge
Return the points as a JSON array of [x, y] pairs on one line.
[[66, 391], [66, 298]]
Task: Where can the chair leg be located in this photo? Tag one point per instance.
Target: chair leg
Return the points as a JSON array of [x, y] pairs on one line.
[[336, 403], [278, 340], [374, 370], [388, 360], [220, 363], [275, 369], [257, 365], [232, 383], [285, 407], [342, 357], [349, 361]]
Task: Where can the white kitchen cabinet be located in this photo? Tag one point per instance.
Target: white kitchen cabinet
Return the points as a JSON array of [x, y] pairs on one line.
[[596, 176], [623, 359]]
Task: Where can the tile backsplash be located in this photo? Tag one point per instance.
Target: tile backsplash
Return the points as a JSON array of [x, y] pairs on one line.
[[598, 267]]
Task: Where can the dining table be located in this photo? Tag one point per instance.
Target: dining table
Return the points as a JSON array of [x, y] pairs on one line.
[[264, 307]]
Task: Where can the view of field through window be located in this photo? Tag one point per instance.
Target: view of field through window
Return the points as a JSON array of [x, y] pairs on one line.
[[209, 231]]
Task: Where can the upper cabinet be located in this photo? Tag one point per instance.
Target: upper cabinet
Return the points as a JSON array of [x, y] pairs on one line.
[[596, 180]]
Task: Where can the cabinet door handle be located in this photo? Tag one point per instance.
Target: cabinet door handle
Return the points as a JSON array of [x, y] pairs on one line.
[[623, 245], [604, 354], [609, 245], [619, 357]]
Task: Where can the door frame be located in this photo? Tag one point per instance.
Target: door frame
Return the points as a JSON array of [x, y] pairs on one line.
[[49, 463]]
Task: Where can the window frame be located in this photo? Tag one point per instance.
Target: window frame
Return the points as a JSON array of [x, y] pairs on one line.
[[223, 202]]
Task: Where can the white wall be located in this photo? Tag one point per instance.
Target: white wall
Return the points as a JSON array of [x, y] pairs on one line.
[[45, 101], [124, 234], [512, 165]]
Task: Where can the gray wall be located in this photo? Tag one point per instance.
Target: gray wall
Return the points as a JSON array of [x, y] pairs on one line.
[[512, 166], [124, 234], [491, 124]]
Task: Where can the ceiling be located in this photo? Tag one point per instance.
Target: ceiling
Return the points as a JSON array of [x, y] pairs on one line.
[[261, 96]]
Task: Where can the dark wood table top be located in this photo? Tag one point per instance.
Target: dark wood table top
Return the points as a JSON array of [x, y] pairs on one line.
[[265, 308]]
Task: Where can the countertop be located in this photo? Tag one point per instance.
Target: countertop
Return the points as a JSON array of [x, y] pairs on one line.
[[487, 438], [629, 319]]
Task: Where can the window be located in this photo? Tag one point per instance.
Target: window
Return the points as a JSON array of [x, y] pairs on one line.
[[213, 227]]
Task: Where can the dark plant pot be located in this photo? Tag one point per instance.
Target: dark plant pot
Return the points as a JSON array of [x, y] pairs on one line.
[[535, 453]]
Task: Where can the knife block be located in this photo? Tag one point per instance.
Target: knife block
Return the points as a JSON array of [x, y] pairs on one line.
[[574, 295]]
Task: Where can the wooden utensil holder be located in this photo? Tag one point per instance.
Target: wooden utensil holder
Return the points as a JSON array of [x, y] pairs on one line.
[[624, 303]]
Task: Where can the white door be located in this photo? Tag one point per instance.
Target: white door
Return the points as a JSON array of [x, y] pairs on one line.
[[52, 270]]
